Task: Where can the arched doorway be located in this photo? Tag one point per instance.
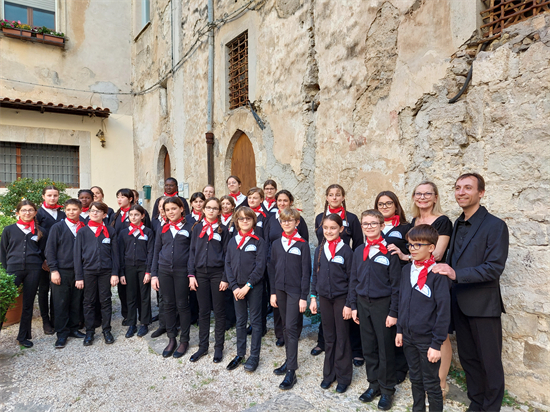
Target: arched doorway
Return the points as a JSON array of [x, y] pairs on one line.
[[167, 166], [243, 163]]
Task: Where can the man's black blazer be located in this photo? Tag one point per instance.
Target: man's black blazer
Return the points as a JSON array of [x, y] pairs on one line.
[[479, 264]]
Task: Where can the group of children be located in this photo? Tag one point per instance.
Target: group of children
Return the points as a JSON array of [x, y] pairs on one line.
[[255, 250]]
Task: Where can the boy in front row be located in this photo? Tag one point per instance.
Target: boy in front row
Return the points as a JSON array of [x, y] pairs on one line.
[[424, 318]]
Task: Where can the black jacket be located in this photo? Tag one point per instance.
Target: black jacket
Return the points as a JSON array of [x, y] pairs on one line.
[[155, 213], [290, 271], [207, 254], [93, 255], [46, 220], [22, 252], [246, 264], [352, 234], [397, 236], [331, 278], [60, 247], [136, 250], [171, 253], [424, 316]]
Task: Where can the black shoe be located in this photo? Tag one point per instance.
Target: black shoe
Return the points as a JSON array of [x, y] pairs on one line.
[[358, 362], [26, 343], [385, 402], [131, 331], [77, 334], [326, 384], [155, 318], [48, 328], [341, 388], [143, 330], [89, 339], [251, 364], [400, 376], [181, 350], [169, 350], [317, 351], [60, 343], [234, 364], [281, 370], [218, 355], [197, 355], [158, 332], [109, 339], [249, 330], [126, 322], [289, 381], [369, 395], [280, 342]]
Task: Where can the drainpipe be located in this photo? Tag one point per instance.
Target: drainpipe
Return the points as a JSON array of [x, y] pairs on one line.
[[209, 132]]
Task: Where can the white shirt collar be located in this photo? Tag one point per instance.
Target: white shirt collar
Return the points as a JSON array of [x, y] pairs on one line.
[[387, 228], [238, 238], [226, 221], [239, 199], [284, 241], [25, 231], [327, 251], [173, 230], [85, 214], [72, 226], [137, 232], [195, 216], [415, 272], [266, 204], [375, 249], [52, 212]]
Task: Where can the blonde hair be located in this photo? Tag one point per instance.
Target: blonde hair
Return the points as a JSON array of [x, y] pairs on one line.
[[436, 209], [289, 214]]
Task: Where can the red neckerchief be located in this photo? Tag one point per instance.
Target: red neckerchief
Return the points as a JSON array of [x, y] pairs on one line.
[[332, 246], [269, 202], [291, 237], [123, 213], [395, 220], [134, 228], [338, 210], [47, 206], [205, 225], [259, 210], [226, 215], [235, 196], [78, 223], [423, 276], [101, 227], [167, 225], [244, 236], [197, 213], [85, 209], [370, 243], [28, 225], [172, 195]]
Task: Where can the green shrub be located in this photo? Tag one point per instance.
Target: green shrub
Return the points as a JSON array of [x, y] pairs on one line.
[[6, 221], [8, 292], [28, 189]]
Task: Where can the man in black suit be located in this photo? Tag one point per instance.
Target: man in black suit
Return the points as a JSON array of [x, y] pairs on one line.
[[477, 255]]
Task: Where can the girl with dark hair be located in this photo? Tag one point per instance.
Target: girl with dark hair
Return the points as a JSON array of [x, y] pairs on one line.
[[22, 254], [197, 203], [234, 186], [86, 197], [270, 204], [228, 207], [125, 199], [395, 224]]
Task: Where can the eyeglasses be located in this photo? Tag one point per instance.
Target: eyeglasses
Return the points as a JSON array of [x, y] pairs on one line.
[[27, 211], [386, 205], [416, 246], [372, 224], [287, 222], [244, 219], [96, 212], [211, 209], [426, 195]]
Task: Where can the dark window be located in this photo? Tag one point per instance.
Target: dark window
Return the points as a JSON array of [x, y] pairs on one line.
[[26, 13], [501, 14], [39, 161], [238, 71]]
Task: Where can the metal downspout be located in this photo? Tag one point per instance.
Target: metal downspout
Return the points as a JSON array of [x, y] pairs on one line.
[[209, 115]]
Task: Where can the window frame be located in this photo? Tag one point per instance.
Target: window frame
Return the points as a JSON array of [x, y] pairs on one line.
[[232, 78], [30, 13]]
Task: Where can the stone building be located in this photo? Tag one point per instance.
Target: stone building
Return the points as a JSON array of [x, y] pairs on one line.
[[357, 93]]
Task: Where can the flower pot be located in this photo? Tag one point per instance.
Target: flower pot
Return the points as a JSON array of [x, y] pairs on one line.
[[53, 39], [11, 32], [26, 33], [13, 315]]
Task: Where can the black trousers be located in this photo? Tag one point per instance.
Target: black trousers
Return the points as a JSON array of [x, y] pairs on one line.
[[354, 338], [265, 300], [160, 300], [138, 295], [45, 300], [97, 287], [337, 344], [252, 302], [30, 280], [175, 301], [378, 343], [210, 297], [292, 319], [230, 315], [194, 304], [424, 376], [479, 342], [123, 296], [66, 302]]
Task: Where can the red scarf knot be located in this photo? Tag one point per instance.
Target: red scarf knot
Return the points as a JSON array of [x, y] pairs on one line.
[[423, 276], [28, 225], [270, 202], [259, 210], [78, 223], [85, 209], [134, 228], [395, 220], [47, 206], [172, 195], [291, 237], [235, 196], [338, 210], [332, 246], [101, 227], [175, 224], [199, 214], [207, 225], [226, 215], [370, 243], [244, 236], [123, 213]]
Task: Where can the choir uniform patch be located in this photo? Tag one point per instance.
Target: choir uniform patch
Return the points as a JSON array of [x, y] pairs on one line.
[[338, 259], [183, 232], [144, 237], [395, 233], [250, 248], [345, 222], [295, 251], [260, 224], [35, 238], [383, 260], [106, 240], [217, 237], [426, 291]]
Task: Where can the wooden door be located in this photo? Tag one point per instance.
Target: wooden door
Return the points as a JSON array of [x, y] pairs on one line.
[[167, 166], [243, 163]]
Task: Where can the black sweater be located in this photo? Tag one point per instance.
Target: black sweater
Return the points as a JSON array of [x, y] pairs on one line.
[[136, 250], [424, 316], [93, 255], [155, 213], [60, 247], [171, 253], [396, 236], [290, 271], [246, 264], [120, 224], [207, 254], [331, 278], [46, 220], [376, 277], [22, 252], [352, 234]]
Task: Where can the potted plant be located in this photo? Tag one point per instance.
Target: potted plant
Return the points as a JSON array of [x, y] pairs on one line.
[[10, 28], [49, 35], [26, 30], [10, 306]]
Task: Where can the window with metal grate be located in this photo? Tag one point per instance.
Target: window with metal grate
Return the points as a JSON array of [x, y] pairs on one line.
[[238, 71]]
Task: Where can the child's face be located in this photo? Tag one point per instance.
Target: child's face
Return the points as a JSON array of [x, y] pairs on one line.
[[123, 201], [85, 199], [98, 197], [208, 192], [96, 215], [254, 200], [420, 249], [269, 191], [233, 185], [170, 187], [289, 226], [197, 204], [161, 208], [245, 223], [386, 206], [335, 198], [51, 197], [331, 230], [283, 202], [227, 207], [135, 217], [211, 211], [173, 212], [371, 227], [72, 211], [26, 213]]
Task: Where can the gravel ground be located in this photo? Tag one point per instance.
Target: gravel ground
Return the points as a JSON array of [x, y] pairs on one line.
[[131, 375]]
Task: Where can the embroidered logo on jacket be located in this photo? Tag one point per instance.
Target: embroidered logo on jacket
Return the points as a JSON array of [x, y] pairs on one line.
[[217, 237], [106, 240], [260, 224], [183, 232], [250, 248], [383, 260], [144, 237], [338, 259], [35, 238], [395, 234], [295, 251], [426, 291]]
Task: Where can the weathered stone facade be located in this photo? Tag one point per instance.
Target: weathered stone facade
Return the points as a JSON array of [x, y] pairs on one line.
[[357, 93]]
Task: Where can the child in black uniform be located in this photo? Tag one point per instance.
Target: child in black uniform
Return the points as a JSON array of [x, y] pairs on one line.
[[424, 317], [270, 203], [244, 268], [234, 186], [255, 198], [197, 203], [289, 277], [228, 207], [86, 197], [374, 299]]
